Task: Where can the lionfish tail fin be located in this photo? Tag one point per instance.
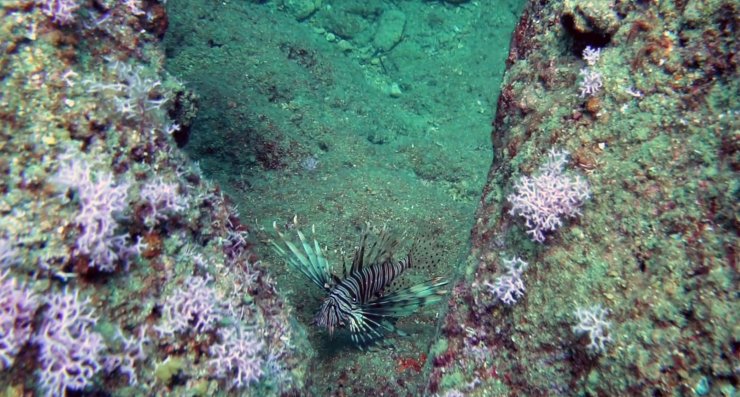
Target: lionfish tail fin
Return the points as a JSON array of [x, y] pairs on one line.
[[406, 301], [425, 253], [305, 258]]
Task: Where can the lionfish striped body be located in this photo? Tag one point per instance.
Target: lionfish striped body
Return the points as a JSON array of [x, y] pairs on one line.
[[357, 301]]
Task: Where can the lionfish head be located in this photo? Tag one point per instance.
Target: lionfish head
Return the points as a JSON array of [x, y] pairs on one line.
[[331, 315]]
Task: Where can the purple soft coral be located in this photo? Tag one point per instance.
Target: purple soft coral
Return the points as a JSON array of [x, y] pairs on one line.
[[162, 198], [237, 357], [100, 199], [17, 306], [69, 350], [544, 199], [194, 307], [509, 287], [592, 321], [60, 11]]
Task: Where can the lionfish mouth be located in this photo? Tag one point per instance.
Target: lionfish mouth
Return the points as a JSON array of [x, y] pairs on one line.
[[362, 300], [320, 320]]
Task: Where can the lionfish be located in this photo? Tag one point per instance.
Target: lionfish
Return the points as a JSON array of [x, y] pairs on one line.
[[358, 301]]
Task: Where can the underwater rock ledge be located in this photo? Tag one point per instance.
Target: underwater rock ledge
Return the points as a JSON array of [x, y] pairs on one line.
[[637, 295]]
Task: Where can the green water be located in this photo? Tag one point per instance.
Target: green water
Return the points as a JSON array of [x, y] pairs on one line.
[[331, 115], [341, 119]]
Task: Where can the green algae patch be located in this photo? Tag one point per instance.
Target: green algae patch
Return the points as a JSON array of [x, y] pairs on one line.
[[170, 367]]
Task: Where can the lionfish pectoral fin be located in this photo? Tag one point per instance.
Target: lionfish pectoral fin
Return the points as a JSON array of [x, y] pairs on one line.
[[406, 301], [366, 340], [372, 341], [401, 333], [366, 331], [308, 260], [390, 327]]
